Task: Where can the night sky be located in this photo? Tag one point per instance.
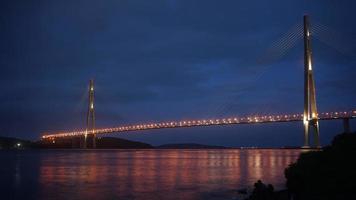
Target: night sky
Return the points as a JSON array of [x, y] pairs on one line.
[[172, 60]]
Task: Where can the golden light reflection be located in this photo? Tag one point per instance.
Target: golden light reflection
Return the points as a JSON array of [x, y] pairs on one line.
[[119, 174]]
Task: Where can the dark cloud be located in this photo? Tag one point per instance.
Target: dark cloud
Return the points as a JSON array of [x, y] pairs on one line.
[[167, 60]]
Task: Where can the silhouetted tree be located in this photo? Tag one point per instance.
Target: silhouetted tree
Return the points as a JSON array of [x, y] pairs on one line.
[[262, 192]]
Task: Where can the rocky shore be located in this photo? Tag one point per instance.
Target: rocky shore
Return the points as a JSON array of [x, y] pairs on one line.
[[329, 174]]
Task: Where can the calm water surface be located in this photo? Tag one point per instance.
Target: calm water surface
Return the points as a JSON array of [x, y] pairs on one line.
[[138, 174]]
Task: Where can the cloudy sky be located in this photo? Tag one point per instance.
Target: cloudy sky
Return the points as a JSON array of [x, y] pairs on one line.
[[172, 60]]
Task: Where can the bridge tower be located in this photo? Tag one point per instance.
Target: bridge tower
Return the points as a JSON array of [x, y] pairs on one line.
[[90, 123], [310, 117]]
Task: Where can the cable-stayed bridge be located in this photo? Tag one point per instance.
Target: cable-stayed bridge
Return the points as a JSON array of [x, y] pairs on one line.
[[310, 117]]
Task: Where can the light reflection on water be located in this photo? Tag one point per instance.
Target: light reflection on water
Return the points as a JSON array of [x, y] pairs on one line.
[[139, 174]]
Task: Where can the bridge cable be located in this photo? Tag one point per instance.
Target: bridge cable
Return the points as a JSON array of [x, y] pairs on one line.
[[276, 51]]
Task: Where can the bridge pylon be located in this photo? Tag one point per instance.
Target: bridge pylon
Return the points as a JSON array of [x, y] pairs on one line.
[[90, 120], [310, 115]]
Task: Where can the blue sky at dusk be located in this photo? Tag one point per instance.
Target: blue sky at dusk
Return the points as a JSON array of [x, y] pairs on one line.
[[171, 60]]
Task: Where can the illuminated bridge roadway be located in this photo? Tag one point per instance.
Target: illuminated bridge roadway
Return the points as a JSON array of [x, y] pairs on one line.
[[204, 122]]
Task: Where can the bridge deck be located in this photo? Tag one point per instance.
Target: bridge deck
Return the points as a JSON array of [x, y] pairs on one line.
[[205, 122]]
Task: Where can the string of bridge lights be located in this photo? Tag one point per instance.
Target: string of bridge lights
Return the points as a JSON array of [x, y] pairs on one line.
[[203, 122]]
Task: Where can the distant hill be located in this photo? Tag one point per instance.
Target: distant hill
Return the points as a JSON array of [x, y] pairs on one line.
[[102, 143], [189, 146], [118, 143], [15, 143]]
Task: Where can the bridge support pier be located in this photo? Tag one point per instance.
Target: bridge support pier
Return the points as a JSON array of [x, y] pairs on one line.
[[346, 122], [83, 142], [94, 141], [306, 133]]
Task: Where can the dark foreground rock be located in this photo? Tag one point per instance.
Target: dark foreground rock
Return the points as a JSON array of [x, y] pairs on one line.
[[327, 174], [262, 191]]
